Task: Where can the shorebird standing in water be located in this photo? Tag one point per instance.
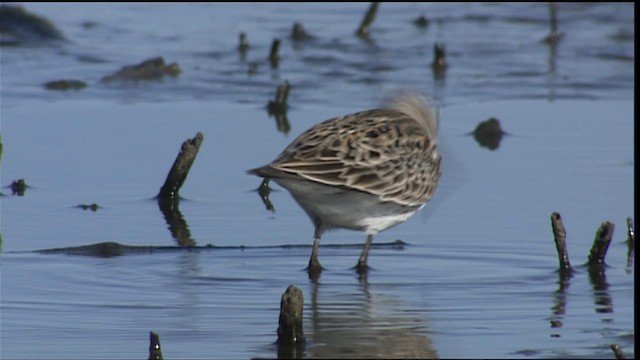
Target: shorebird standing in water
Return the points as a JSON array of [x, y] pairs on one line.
[[365, 171]]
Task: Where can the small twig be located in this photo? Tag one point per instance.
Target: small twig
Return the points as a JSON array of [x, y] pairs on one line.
[[155, 352], [181, 166], [560, 237], [601, 244], [617, 351], [363, 29]]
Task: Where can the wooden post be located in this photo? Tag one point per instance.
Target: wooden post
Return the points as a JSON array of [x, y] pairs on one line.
[[560, 237], [290, 331], [181, 166], [154, 346]]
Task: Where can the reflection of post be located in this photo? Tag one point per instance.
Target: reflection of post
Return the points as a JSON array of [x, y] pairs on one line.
[[177, 225]]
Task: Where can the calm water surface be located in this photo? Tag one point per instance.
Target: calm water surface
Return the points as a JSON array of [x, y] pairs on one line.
[[477, 277]]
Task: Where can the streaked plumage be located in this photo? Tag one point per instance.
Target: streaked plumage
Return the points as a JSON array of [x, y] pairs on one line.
[[366, 171]]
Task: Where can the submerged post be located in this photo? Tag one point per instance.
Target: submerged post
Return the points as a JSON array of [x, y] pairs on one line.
[[181, 166], [154, 346], [273, 54], [601, 244], [560, 237], [290, 332], [631, 241]]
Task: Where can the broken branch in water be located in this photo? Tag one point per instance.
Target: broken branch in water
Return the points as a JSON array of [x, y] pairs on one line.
[[363, 29], [601, 244], [181, 166]]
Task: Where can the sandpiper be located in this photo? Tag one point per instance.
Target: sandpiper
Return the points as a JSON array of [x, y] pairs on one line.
[[364, 171]]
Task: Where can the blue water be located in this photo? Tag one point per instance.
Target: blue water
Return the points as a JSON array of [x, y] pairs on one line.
[[478, 276]]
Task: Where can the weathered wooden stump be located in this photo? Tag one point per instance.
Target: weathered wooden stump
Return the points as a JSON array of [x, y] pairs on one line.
[[290, 331], [155, 352]]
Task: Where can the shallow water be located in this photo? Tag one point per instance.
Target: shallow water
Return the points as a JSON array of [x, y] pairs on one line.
[[477, 277]]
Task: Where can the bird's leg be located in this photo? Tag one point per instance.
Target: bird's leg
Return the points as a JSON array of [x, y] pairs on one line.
[[362, 266], [314, 267]]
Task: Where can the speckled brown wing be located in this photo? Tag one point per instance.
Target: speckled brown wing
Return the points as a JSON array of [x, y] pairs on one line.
[[382, 152]]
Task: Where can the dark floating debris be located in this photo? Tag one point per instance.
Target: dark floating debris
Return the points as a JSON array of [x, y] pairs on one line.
[[363, 29], [65, 85], [152, 69], [18, 187], [18, 26], [274, 58], [112, 249], [102, 250], [560, 238], [155, 353], [278, 108], [93, 207], [290, 326], [298, 33], [554, 36], [488, 133], [181, 166], [421, 21]]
